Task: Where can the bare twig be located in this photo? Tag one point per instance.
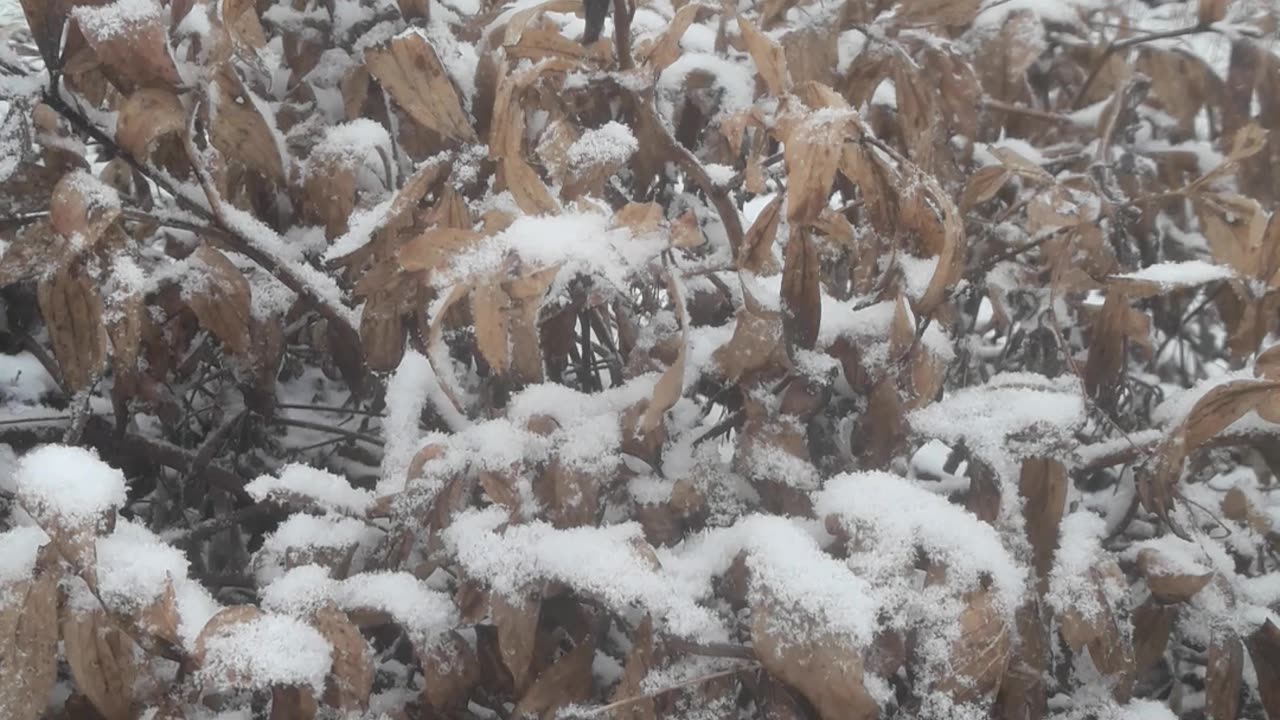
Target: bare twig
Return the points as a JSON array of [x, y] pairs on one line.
[[308, 425]]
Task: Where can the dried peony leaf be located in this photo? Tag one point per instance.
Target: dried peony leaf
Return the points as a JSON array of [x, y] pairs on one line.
[[1167, 584], [147, 115], [801, 291], [450, 670], [769, 57]]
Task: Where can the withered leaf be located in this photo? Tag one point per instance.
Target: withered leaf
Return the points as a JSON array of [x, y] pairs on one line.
[[801, 290], [411, 72], [636, 668], [29, 639], [769, 57], [350, 677], [80, 211], [102, 659], [1224, 675], [1264, 649], [450, 669], [670, 387], [980, 656], [1168, 584], [826, 669], [812, 155], [1043, 487], [139, 56], [72, 308], [433, 249], [490, 308], [146, 116], [567, 681], [239, 129], [221, 300], [517, 622], [1152, 622]]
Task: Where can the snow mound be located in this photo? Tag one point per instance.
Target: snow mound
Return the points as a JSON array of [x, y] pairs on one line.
[[68, 483], [266, 651]]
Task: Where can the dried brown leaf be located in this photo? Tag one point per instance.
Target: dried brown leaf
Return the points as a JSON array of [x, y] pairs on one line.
[[350, 678], [221, 300], [146, 116], [1264, 649], [670, 387], [411, 73], [435, 248], [1152, 622], [103, 661], [827, 670], [72, 309], [801, 290], [567, 681], [769, 57], [29, 639], [980, 655], [450, 670], [1224, 675], [517, 621], [1167, 585], [1043, 487]]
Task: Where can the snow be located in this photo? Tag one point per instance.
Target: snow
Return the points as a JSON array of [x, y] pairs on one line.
[[303, 532], [23, 379], [869, 327], [872, 509], [737, 80], [578, 242], [1079, 550], [599, 561], [407, 394], [356, 142], [407, 600], [116, 18], [18, 548], [325, 489], [1012, 416], [69, 485], [1181, 274], [266, 651], [135, 565], [803, 586], [610, 144]]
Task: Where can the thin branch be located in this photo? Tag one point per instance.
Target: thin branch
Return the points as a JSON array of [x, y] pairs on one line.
[[1127, 43], [308, 425], [606, 709], [728, 212]]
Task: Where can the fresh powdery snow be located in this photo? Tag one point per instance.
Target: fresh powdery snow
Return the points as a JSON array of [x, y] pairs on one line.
[[422, 611], [869, 507], [1181, 274], [609, 144], [68, 484], [603, 562], [324, 489], [18, 548], [266, 651]]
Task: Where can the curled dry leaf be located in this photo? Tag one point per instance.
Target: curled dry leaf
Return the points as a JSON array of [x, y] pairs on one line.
[[433, 249], [221, 300], [670, 387], [146, 116], [29, 639], [801, 290], [103, 661], [769, 57], [756, 344], [72, 309], [80, 211], [411, 73], [350, 678]]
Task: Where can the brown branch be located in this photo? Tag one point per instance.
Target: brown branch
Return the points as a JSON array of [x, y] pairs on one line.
[[308, 425], [623, 11], [671, 147]]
